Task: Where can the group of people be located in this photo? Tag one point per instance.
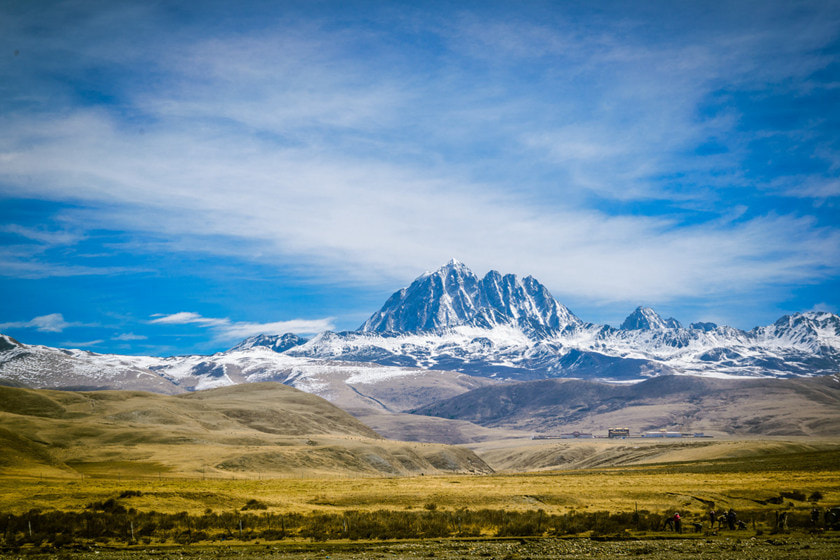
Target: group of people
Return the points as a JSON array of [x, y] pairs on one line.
[[831, 518], [729, 519]]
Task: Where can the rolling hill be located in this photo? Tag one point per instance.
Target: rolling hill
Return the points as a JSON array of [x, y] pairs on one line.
[[738, 407], [243, 430]]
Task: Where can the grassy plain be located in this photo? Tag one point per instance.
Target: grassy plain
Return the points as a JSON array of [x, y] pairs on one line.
[[766, 480], [691, 487], [88, 470]]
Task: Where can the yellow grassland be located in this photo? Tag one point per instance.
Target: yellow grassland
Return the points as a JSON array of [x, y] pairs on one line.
[[297, 453], [689, 488]]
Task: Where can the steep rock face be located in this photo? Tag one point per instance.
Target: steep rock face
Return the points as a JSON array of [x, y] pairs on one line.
[[433, 301], [278, 343], [453, 296], [645, 318], [812, 331]]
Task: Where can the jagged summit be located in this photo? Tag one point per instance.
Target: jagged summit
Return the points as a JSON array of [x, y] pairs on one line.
[[645, 318], [276, 342], [453, 296]]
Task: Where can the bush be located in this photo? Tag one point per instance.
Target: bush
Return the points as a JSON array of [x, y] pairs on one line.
[[254, 504]]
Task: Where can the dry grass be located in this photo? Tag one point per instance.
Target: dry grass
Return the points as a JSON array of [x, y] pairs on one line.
[[236, 431], [690, 487], [220, 449]]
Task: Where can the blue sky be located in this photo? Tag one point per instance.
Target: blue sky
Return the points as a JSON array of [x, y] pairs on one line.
[[175, 176]]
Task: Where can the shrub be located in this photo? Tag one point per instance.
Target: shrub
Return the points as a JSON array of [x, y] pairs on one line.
[[254, 504], [794, 495]]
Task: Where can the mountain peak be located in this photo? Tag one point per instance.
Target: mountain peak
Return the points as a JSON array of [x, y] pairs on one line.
[[276, 342], [645, 318], [454, 296]]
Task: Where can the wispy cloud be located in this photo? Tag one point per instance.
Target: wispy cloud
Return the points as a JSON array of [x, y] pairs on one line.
[[28, 267], [129, 337], [85, 344], [188, 318], [54, 323], [31, 253], [825, 307], [404, 219], [44, 236], [604, 155], [230, 330]]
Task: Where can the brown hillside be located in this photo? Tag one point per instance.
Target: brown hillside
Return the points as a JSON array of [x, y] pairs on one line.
[[263, 428], [739, 407]]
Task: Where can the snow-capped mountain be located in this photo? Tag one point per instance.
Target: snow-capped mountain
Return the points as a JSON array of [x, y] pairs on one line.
[[499, 326], [646, 318], [453, 296], [447, 323], [352, 386], [276, 342]]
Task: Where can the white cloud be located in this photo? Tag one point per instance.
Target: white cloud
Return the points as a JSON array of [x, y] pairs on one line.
[[81, 344], [229, 330], [31, 267], [130, 337], [44, 236], [282, 148], [374, 221], [811, 188], [32, 261], [628, 94], [187, 318], [825, 308], [54, 322]]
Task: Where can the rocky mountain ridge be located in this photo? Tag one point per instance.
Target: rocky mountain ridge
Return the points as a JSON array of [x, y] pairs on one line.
[[500, 326], [445, 324], [454, 296]]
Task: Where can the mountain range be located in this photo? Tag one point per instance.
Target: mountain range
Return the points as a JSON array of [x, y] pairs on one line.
[[504, 327], [446, 335]]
